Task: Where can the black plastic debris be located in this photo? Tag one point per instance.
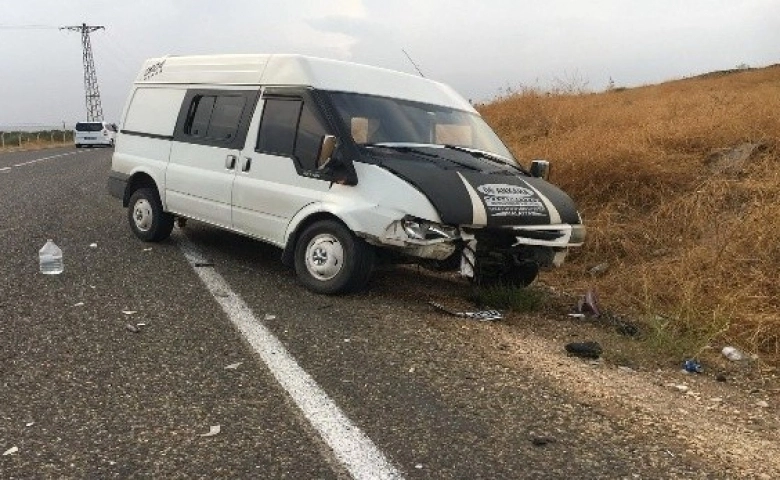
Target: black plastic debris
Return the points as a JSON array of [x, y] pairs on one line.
[[482, 315], [584, 349], [626, 329], [542, 441]]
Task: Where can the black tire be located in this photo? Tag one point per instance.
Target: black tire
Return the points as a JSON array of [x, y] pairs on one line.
[[147, 219], [317, 261], [78, 145], [524, 274], [517, 276]]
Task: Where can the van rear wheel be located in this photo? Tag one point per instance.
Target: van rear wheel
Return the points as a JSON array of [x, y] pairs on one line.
[[330, 259], [147, 219]]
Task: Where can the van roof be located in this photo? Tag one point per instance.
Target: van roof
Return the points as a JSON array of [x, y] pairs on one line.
[[284, 69]]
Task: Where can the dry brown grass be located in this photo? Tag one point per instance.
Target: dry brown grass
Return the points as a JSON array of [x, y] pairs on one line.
[[692, 250]]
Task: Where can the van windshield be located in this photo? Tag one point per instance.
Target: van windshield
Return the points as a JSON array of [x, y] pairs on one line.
[[89, 127], [382, 120]]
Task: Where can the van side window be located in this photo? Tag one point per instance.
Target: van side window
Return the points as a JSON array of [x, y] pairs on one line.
[[310, 132], [291, 128], [225, 117], [214, 117], [199, 115], [277, 128]]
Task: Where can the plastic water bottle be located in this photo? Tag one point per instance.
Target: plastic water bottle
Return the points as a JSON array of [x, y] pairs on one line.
[[51, 259]]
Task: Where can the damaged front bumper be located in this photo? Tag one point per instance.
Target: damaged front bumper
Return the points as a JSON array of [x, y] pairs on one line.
[[419, 238], [498, 252], [545, 246]]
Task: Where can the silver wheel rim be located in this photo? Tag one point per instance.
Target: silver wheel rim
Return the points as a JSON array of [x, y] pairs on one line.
[[142, 215], [324, 257]]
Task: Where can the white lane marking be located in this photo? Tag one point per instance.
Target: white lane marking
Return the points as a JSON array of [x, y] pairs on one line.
[[43, 159], [351, 446], [4, 169]]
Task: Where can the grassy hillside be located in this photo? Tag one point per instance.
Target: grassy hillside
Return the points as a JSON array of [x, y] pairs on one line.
[[691, 231]]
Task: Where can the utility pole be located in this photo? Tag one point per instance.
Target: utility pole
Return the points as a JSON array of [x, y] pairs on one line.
[[94, 108]]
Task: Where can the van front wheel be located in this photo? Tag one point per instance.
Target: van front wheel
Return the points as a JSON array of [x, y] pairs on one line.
[[147, 219], [330, 259]]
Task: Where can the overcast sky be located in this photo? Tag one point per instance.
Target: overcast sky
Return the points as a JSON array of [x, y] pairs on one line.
[[479, 48]]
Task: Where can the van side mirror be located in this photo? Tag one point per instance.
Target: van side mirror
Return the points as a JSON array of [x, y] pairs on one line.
[[540, 169], [327, 147]]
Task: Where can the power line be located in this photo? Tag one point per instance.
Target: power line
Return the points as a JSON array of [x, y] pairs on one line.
[[92, 92], [28, 27]]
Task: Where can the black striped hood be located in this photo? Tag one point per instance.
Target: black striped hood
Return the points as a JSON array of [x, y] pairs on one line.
[[468, 189]]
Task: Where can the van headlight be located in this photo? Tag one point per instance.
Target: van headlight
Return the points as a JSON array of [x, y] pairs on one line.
[[419, 229]]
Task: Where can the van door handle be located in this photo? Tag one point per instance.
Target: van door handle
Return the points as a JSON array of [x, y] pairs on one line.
[[247, 164], [230, 162]]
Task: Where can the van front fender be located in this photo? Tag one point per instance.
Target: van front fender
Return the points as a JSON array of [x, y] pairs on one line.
[[362, 220]]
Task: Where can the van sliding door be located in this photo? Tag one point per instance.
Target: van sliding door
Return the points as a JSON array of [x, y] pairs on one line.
[[210, 131]]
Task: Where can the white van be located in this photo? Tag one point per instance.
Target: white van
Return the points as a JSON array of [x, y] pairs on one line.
[[89, 134], [338, 164]]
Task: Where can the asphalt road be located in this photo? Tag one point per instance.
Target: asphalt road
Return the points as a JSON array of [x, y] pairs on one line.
[[81, 396]]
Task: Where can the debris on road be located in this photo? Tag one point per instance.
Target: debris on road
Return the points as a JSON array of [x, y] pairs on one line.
[[542, 441], [732, 354], [482, 315], [93, 245], [148, 249], [80, 304], [214, 430], [626, 329], [269, 317], [578, 316], [692, 366], [129, 312], [132, 328], [50, 259], [589, 303], [762, 404], [234, 366], [599, 269], [584, 349], [11, 451], [202, 264], [29, 424]]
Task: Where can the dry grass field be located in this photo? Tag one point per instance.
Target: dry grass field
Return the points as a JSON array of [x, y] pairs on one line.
[[690, 226]]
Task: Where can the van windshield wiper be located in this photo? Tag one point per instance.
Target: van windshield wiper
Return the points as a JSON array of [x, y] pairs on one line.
[[418, 148], [483, 155]]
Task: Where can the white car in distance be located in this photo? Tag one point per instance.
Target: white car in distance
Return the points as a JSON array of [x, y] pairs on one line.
[[89, 134]]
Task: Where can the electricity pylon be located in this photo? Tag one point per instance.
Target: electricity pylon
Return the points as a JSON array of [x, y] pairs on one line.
[[94, 108]]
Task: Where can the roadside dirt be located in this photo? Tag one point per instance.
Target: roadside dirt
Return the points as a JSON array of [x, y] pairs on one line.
[[730, 420]]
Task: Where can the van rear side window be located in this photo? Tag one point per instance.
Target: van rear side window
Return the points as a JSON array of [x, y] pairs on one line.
[[214, 117], [89, 127]]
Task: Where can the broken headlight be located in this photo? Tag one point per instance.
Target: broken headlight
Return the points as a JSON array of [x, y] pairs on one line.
[[419, 229]]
